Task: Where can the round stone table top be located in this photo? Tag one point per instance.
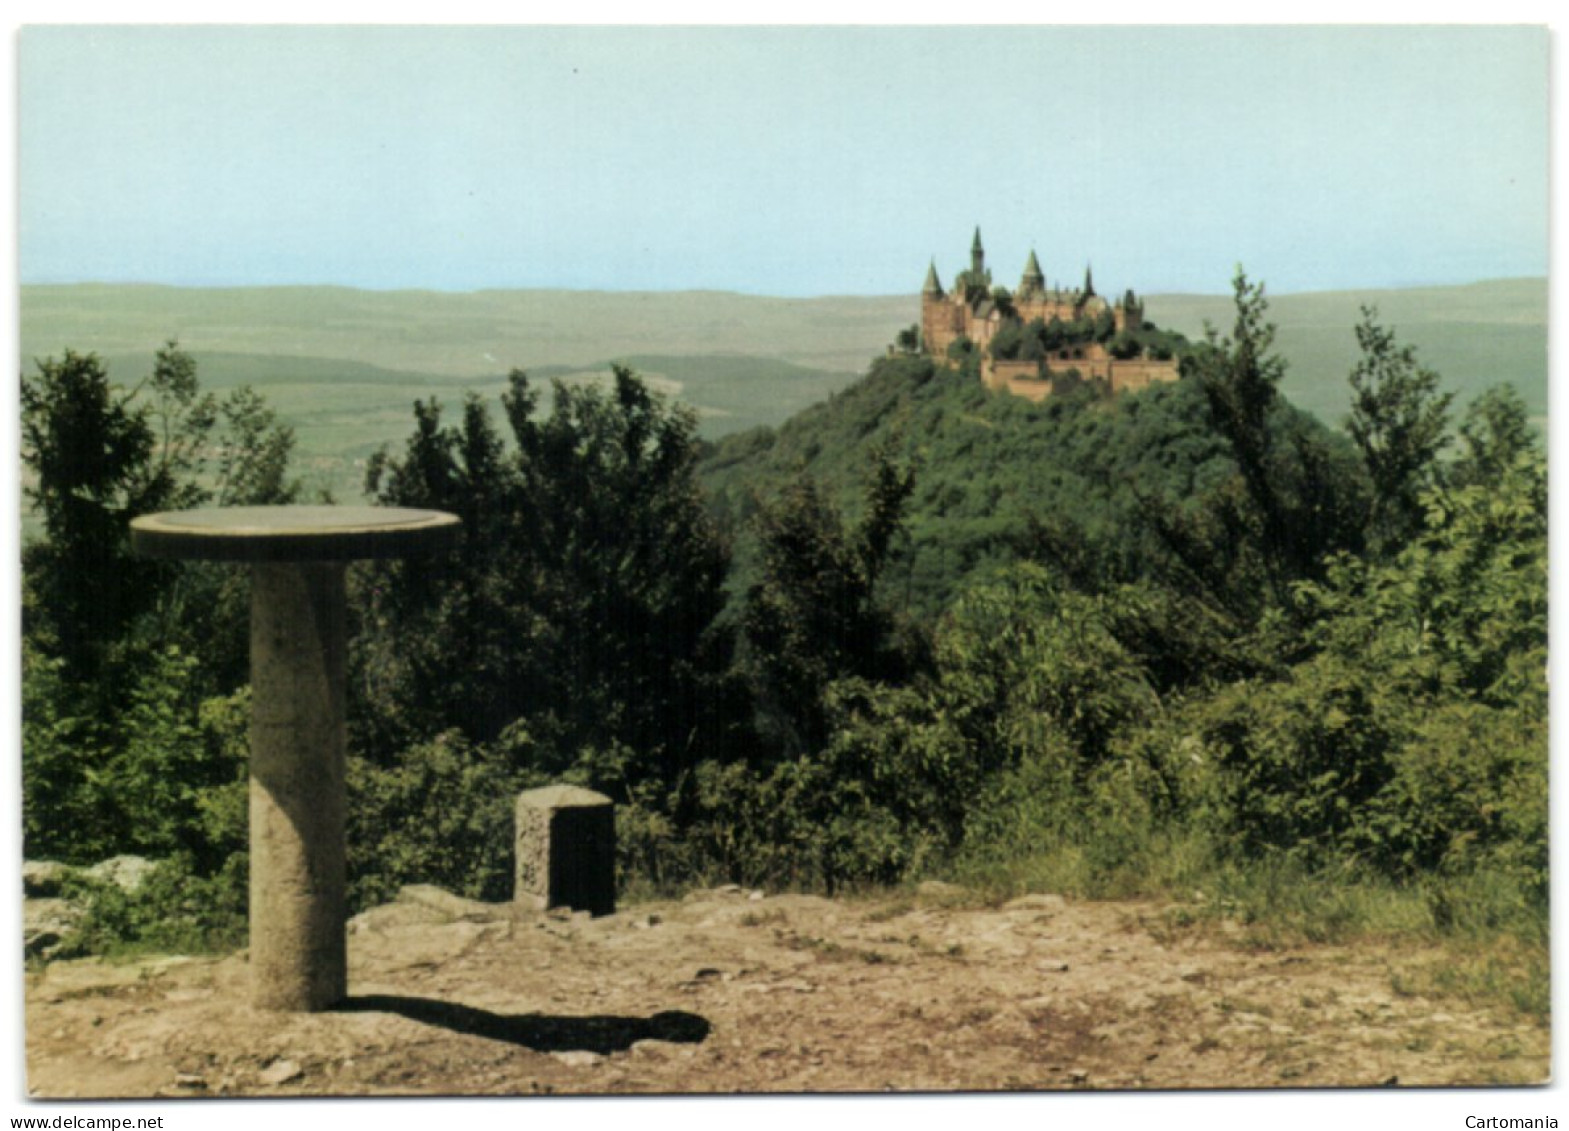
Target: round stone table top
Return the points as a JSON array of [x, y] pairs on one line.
[[292, 533]]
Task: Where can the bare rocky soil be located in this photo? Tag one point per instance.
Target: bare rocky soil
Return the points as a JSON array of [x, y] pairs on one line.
[[729, 991]]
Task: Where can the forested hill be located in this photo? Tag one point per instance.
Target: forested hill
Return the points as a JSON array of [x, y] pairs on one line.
[[1071, 482]]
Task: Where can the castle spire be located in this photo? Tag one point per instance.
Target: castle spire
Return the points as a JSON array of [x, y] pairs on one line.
[[977, 254], [1033, 282], [933, 287]]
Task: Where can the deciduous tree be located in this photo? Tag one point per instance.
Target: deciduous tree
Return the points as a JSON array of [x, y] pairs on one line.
[[580, 605], [813, 618], [1399, 420]]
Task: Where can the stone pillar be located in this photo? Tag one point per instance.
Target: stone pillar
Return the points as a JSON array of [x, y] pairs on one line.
[[298, 947], [566, 849]]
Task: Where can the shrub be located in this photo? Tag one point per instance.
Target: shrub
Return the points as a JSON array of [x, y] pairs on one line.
[[176, 778], [166, 776], [798, 827], [442, 815], [1468, 793], [1298, 760], [174, 911]]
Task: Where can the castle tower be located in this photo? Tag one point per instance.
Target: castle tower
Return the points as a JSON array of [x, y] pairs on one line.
[[977, 255], [1131, 314], [941, 317], [1032, 287]]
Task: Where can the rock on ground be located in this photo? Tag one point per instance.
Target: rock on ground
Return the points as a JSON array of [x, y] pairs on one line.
[[49, 919], [46, 924], [44, 878], [128, 873]]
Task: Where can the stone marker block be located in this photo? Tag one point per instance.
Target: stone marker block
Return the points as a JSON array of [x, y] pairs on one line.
[[566, 849]]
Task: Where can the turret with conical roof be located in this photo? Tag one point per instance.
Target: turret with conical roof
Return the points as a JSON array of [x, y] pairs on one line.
[[1033, 283], [932, 286], [977, 254]]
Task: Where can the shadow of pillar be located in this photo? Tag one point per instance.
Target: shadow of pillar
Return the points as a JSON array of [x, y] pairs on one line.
[[537, 1031]]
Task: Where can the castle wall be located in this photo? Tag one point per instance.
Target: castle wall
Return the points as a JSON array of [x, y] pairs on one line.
[[1000, 375], [1020, 378], [1131, 376], [1026, 378], [1090, 368], [1090, 359], [1035, 389]]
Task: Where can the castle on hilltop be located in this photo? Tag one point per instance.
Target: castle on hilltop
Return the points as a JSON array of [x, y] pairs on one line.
[[1079, 332]]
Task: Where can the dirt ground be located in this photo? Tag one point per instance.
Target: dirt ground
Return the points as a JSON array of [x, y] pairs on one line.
[[734, 991]]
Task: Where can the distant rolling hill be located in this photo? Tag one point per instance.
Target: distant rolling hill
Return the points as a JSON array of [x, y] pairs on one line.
[[344, 366], [1476, 335], [462, 335]]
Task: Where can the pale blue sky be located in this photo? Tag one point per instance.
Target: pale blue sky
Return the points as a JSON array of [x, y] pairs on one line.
[[781, 161]]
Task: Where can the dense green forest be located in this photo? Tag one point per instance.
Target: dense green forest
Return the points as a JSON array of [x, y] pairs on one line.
[[1190, 639]]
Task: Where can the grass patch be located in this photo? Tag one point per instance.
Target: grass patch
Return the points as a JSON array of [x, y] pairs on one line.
[[1491, 935], [1501, 971], [1158, 866], [828, 950]]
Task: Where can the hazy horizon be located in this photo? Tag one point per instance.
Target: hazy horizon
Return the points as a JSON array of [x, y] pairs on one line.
[[679, 290], [781, 161]]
